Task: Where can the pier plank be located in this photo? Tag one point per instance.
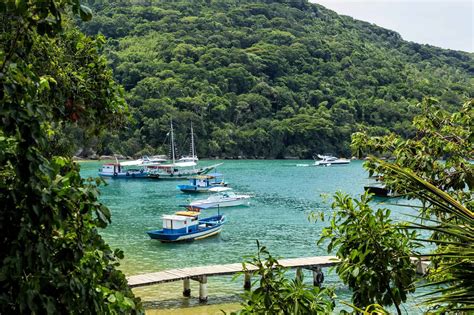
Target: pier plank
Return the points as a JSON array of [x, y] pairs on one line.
[[226, 269]]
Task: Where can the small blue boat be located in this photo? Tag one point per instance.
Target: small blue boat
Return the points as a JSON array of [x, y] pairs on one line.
[[187, 226], [203, 183]]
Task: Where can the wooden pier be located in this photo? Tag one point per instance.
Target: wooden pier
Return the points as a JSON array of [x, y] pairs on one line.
[[201, 273]]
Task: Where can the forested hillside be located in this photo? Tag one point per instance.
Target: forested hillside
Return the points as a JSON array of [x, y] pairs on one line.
[[265, 78]]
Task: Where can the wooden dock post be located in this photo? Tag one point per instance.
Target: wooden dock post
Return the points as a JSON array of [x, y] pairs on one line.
[[186, 287], [247, 281], [421, 267], [203, 289], [299, 274], [318, 276]]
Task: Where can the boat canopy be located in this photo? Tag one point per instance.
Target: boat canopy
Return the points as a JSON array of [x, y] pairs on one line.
[[207, 176], [215, 175], [198, 207], [174, 217], [187, 213], [139, 162], [179, 164]]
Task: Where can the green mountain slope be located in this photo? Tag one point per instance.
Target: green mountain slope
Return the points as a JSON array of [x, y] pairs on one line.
[[266, 78]]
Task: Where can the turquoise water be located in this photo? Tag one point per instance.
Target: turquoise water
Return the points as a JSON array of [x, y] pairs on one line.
[[284, 196]]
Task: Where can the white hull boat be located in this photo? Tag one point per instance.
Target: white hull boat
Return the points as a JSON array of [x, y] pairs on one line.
[[221, 199], [328, 160]]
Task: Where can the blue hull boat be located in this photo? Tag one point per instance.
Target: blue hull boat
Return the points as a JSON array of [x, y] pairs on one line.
[[129, 169], [187, 226], [203, 183], [128, 174]]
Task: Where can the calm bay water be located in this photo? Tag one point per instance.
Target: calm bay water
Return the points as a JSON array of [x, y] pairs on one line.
[[284, 196]]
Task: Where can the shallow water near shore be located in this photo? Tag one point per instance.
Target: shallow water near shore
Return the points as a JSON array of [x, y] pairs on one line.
[[284, 196]]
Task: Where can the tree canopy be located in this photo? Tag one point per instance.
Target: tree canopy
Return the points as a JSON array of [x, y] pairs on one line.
[[266, 78]]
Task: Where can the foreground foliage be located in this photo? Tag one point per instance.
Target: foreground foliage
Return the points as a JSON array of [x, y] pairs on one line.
[[374, 252], [53, 260], [265, 78], [452, 276], [276, 294], [444, 188], [435, 167]]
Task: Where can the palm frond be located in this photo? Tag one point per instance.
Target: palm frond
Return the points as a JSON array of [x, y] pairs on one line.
[[454, 231]]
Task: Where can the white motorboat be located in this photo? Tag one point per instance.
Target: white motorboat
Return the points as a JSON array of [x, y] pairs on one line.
[[224, 197], [328, 160]]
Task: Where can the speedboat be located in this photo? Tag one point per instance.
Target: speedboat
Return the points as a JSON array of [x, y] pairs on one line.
[[187, 226], [328, 160], [223, 198], [203, 183]]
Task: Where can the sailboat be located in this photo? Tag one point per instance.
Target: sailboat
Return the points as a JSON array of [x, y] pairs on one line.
[[182, 168], [192, 157]]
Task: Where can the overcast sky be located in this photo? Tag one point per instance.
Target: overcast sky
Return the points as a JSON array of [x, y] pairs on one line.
[[442, 23]]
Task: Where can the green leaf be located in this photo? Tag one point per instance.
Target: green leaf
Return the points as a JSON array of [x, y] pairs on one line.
[[85, 13]]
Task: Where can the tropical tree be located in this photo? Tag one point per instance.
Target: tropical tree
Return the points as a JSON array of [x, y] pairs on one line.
[[452, 278], [53, 259], [374, 252], [444, 189]]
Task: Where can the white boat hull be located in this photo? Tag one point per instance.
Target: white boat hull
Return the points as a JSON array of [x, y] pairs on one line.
[[329, 163], [222, 203]]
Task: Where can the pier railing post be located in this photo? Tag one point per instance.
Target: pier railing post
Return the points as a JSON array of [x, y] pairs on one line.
[[247, 281], [186, 288], [318, 277], [203, 289]]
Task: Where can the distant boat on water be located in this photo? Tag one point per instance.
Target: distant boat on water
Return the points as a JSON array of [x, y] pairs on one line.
[[203, 183], [192, 157], [129, 169], [187, 226], [328, 160], [183, 168], [378, 188], [224, 198]]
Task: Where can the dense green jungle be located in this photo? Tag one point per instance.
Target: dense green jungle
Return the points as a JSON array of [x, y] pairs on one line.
[[269, 79]]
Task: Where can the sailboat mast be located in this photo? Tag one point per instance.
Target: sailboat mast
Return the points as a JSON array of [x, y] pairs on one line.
[[192, 142], [172, 141]]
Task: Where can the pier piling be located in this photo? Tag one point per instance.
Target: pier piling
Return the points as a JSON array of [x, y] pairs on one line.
[[203, 289], [318, 277], [186, 287], [247, 281]]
